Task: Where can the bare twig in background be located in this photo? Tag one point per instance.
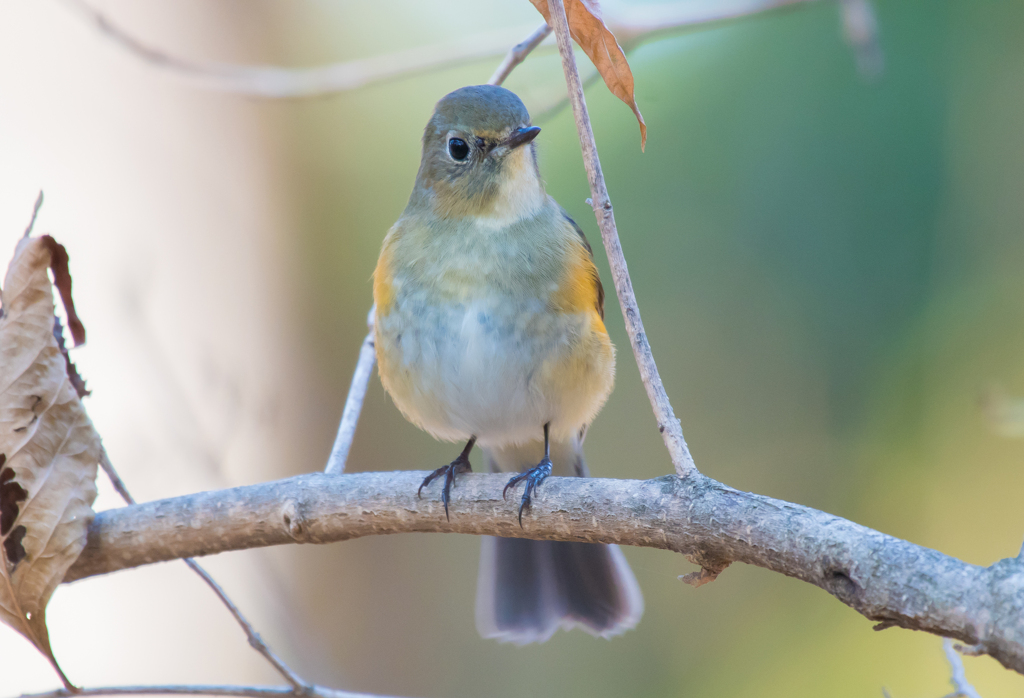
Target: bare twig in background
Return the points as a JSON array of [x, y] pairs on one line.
[[255, 641], [519, 53], [861, 31], [35, 214], [632, 25], [202, 690], [668, 425], [962, 687], [287, 83], [1003, 412], [887, 580], [115, 478], [354, 402]]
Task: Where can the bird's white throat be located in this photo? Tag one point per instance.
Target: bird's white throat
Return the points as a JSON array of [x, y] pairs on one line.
[[520, 195]]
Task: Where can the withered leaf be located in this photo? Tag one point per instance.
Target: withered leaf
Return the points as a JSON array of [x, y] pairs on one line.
[[62, 279], [48, 448], [597, 41]]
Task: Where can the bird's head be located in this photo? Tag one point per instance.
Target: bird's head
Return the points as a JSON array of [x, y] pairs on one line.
[[478, 157]]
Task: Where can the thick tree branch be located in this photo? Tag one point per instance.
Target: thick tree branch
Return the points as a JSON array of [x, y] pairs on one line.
[[886, 579]]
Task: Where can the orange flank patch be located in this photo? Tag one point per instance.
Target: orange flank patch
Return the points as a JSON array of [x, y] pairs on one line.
[[580, 289], [583, 376], [383, 292]]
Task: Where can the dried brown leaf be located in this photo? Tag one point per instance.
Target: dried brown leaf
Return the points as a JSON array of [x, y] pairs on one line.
[[597, 41], [48, 448], [62, 280]]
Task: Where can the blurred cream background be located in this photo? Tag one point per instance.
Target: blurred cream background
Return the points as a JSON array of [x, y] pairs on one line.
[[171, 209], [829, 270]]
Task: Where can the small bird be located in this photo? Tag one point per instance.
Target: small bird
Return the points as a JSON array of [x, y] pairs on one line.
[[490, 330]]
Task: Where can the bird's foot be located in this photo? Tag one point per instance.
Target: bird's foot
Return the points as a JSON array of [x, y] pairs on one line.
[[534, 476], [459, 465]]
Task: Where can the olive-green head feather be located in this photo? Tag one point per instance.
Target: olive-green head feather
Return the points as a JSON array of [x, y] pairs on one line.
[[478, 155]]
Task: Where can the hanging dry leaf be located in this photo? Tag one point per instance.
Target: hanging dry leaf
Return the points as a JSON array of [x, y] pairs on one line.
[[48, 447], [597, 41]]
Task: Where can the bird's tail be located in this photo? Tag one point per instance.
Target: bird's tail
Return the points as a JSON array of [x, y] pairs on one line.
[[528, 589]]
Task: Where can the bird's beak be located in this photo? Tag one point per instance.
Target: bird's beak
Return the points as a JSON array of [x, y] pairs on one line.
[[521, 136]]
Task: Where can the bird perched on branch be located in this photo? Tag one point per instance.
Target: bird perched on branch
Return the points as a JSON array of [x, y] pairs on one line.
[[490, 330]]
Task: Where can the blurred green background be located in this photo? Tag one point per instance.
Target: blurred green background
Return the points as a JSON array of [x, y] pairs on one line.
[[829, 269]]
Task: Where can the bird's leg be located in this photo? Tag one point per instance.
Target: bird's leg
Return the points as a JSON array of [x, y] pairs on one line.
[[459, 465], [534, 476]]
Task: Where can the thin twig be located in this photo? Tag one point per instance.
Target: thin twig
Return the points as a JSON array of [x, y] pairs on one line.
[[668, 425], [860, 28], [203, 690], [963, 688], [640, 23], [273, 82], [354, 402], [35, 213], [631, 27], [519, 53], [115, 478], [255, 641]]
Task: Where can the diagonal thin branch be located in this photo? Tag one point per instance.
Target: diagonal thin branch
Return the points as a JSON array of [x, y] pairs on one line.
[[354, 402], [962, 687], [35, 214], [518, 54], [255, 641], [668, 425]]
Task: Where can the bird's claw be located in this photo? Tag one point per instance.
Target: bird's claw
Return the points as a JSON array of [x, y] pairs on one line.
[[459, 465], [533, 477]]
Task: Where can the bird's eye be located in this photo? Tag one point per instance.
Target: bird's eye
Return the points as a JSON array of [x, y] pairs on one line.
[[458, 149]]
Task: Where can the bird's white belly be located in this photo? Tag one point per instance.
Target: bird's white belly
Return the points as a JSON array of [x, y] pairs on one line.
[[471, 369]]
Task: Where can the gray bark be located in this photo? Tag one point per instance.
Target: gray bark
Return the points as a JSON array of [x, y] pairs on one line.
[[888, 580]]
